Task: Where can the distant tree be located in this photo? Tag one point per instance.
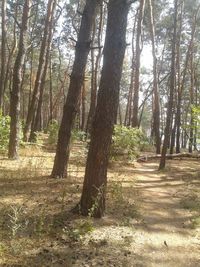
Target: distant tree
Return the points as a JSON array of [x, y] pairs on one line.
[[135, 122], [41, 64]]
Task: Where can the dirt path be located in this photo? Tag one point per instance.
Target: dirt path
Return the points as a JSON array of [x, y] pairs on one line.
[[145, 224], [166, 238]]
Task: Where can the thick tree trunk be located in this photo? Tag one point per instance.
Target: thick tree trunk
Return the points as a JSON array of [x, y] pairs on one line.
[[71, 106], [17, 79], [93, 195], [137, 62], [32, 108], [171, 93]]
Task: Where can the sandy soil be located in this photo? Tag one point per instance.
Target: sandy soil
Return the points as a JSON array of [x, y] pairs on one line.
[[145, 223]]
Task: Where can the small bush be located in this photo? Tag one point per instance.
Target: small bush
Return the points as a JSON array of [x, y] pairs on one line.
[[127, 140], [4, 131], [53, 132]]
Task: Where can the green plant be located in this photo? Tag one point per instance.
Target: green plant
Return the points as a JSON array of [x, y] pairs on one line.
[[78, 135], [97, 200], [127, 140], [53, 132], [79, 230], [4, 131]]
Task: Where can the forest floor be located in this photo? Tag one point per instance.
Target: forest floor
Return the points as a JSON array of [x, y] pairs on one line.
[[152, 217]]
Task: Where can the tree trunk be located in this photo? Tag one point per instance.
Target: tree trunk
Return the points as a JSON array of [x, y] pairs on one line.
[[17, 79], [95, 68], [93, 195], [137, 62], [171, 93], [128, 114], [71, 106], [156, 100], [3, 51], [31, 110], [36, 126]]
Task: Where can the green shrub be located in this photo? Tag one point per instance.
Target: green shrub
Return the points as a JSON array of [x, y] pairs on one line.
[[53, 132], [4, 131], [78, 135], [127, 140]]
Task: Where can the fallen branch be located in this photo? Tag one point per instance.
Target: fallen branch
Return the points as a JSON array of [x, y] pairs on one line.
[[168, 156]]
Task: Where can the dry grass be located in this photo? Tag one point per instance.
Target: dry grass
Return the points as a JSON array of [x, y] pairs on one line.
[[37, 228]]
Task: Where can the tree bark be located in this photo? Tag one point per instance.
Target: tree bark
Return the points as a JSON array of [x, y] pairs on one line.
[[17, 79], [156, 100], [93, 195], [3, 51], [171, 91], [71, 106], [32, 108]]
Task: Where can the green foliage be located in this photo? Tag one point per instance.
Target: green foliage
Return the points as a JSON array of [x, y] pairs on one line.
[[78, 135], [79, 230], [4, 131], [127, 140], [53, 132]]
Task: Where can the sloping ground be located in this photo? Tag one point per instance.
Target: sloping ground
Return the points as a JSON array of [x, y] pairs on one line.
[[146, 223]]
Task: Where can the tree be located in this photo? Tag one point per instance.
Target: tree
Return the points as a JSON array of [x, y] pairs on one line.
[[93, 195], [156, 101], [138, 51], [36, 90], [71, 106], [171, 91], [17, 79], [3, 51]]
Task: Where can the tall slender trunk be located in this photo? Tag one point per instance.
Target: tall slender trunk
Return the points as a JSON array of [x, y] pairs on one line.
[[71, 106], [95, 68], [93, 195], [156, 100], [32, 108], [36, 126], [171, 91], [137, 62], [128, 114], [3, 51], [191, 139], [17, 79], [181, 87]]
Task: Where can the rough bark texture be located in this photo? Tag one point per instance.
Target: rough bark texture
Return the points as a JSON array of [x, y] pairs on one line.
[[71, 106], [17, 79], [93, 195], [171, 91], [3, 51], [32, 108]]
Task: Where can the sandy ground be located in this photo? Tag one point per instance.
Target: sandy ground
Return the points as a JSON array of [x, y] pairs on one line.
[[145, 223]]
